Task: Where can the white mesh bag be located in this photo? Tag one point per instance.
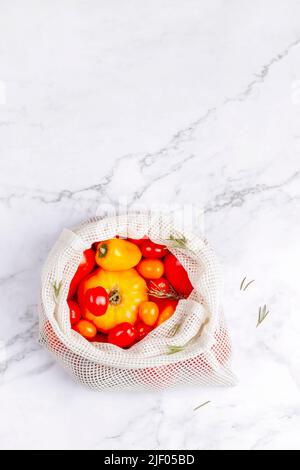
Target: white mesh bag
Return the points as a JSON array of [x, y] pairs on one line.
[[192, 347]]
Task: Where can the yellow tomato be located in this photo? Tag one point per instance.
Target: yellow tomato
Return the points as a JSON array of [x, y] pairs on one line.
[[126, 290], [86, 328], [148, 313], [166, 313], [151, 268], [117, 254]]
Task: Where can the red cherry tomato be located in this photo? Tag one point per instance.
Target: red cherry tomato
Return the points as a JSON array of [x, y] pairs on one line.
[[86, 266], [142, 330], [165, 303], [137, 241], [159, 286], [75, 312], [99, 338], [123, 335], [86, 328], [152, 250], [177, 275], [96, 300]]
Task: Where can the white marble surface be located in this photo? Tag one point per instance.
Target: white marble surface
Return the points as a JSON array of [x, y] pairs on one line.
[[188, 101]]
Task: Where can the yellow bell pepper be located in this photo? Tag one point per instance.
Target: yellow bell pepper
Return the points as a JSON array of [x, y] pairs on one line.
[[126, 290], [117, 254]]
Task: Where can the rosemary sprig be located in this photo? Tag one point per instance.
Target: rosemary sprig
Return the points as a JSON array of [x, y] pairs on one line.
[[160, 294], [202, 404], [179, 241], [244, 286], [176, 329], [175, 349], [57, 287], [262, 314]]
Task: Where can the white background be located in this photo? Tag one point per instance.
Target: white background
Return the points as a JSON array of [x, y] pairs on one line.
[[195, 102]]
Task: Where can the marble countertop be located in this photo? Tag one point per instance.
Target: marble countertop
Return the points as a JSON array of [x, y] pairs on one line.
[[186, 102]]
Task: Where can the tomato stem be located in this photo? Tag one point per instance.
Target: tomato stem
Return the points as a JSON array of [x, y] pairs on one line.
[[115, 296], [102, 250]]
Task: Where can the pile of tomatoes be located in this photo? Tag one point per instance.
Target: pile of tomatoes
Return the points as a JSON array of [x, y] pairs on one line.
[[123, 288]]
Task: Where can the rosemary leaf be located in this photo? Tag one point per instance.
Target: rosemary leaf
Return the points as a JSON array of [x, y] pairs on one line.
[[249, 284], [202, 404], [175, 349], [243, 287], [56, 287], [262, 314], [242, 283], [176, 329]]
